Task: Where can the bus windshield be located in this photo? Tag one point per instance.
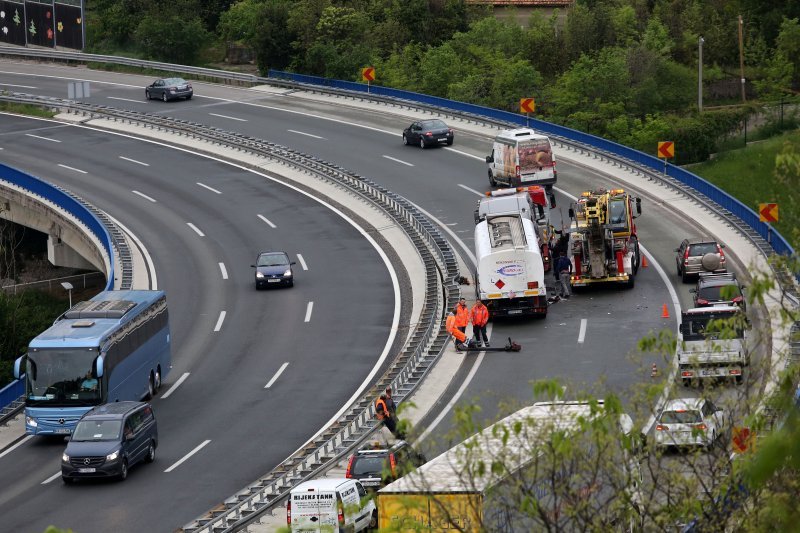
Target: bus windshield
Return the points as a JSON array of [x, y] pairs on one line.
[[62, 377]]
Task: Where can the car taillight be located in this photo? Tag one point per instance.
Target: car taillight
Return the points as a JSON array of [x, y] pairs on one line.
[[289, 512], [687, 374], [721, 254], [517, 171], [393, 464], [662, 427], [701, 427], [533, 284], [340, 513], [737, 300], [686, 256], [349, 466], [734, 372], [702, 301]]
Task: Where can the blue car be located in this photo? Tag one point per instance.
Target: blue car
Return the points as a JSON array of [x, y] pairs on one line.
[[273, 269]]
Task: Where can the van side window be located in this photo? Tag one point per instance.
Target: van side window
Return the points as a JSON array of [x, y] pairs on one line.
[[129, 429], [147, 414]]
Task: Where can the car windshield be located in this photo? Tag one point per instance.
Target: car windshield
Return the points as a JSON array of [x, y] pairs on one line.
[[175, 81], [703, 249], [433, 124], [681, 417], [269, 260], [368, 465], [97, 430]]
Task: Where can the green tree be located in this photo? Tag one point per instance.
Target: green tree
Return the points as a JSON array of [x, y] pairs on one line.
[[172, 38], [788, 43]]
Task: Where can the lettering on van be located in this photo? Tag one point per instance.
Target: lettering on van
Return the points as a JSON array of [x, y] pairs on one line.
[[327, 496], [511, 270], [348, 492]]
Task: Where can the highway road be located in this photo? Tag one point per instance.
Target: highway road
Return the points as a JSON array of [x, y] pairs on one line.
[[590, 339]]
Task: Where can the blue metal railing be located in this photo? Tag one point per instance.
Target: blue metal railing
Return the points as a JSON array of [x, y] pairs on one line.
[[40, 188], [779, 244]]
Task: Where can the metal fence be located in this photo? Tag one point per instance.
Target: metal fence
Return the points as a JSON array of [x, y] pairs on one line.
[[82, 281]]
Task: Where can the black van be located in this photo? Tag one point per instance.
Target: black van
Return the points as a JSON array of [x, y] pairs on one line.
[[109, 439]]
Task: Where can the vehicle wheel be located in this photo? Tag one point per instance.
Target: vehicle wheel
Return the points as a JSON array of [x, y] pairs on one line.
[[373, 521], [636, 255], [422, 142], [151, 387], [189, 97], [684, 277], [739, 379], [405, 140], [492, 181], [67, 480], [151, 453], [164, 96], [678, 268], [631, 282], [158, 379], [450, 142], [123, 473], [147, 94]]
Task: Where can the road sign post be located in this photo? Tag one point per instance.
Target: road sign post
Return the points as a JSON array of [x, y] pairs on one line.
[[666, 150], [368, 75], [527, 106]]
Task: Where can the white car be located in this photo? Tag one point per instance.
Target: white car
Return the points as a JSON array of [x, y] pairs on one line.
[[689, 422]]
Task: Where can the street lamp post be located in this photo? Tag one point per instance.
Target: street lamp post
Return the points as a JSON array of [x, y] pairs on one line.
[[700, 75], [68, 287]]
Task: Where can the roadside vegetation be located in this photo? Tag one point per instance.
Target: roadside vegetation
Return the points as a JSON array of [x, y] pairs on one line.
[[26, 109]]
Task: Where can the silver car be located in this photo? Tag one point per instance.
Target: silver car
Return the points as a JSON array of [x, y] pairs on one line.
[[169, 89], [699, 254], [689, 422]]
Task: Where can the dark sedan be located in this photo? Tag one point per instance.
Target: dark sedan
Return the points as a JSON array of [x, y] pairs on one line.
[[273, 269], [428, 133], [169, 89]]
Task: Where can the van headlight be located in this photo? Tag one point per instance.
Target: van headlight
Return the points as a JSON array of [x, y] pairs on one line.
[[64, 457], [31, 421], [287, 273], [259, 274], [112, 456]]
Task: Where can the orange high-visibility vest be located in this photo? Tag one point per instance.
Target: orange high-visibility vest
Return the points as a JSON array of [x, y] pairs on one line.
[[450, 325], [459, 335], [462, 316], [381, 414], [480, 315]]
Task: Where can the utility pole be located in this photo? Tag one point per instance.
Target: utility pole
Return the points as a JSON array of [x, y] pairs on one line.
[[741, 57], [700, 75]]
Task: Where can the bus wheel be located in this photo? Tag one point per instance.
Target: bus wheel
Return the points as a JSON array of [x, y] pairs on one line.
[[151, 387], [158, 379]]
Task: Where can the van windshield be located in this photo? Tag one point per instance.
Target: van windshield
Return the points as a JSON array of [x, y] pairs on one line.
[[97, 430]]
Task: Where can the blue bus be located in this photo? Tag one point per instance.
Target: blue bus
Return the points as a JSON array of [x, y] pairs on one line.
[[111, 348]]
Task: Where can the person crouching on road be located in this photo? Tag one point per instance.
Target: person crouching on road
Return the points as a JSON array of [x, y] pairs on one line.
[[384, 415], [564, 268], [459, 337], [480, 317]]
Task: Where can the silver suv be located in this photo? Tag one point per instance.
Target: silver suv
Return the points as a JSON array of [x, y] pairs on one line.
[[699, 254]]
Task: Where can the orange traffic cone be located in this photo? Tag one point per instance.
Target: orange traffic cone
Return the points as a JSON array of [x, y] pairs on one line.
[[644, 261], [664, 312], [654, 371]]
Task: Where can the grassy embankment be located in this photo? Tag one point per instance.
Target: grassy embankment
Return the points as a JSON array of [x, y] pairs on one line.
[[749, 174]]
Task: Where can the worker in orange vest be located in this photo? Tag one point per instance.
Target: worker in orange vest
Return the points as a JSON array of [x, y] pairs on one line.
[[462, 315], [479, 315], [383, 414], [450, 326]]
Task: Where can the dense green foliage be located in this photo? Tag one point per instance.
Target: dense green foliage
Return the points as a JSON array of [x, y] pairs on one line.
[[622, 69]]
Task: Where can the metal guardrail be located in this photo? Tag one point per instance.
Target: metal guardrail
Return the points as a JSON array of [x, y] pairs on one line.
[[404, 373]]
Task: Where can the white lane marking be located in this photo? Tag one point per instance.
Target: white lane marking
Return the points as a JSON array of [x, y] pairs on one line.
[[271, 225], [307, 134], [470, 189], [582, 332], [220, 320], [20, 86], [73, 169], [17, 445], [175, 385], [457, 395], [212, 189], [302, 262], [124, 99], [277, 375], [185, 457], [42, 138], [223, 270], [230, 118], [134, 161], [394, 328], [143, 195], [308, 311], [51, 478], [195, 228], [398, 161]]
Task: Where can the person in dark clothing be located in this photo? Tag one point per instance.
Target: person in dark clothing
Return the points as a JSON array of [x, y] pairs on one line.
[[564, 269]]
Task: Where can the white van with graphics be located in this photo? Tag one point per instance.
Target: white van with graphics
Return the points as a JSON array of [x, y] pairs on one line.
[[522, 157], [330, 504]]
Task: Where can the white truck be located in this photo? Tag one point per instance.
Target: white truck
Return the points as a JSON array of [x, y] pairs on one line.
[[522, 157], [712, 343], [532, 202], [510, 273]]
